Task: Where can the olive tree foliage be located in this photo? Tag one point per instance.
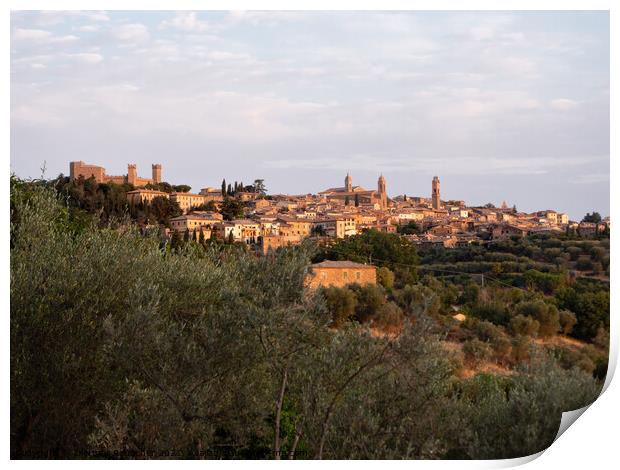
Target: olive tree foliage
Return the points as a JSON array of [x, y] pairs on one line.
[[106, 324], [121, 345], [508, 417], [377, 398]]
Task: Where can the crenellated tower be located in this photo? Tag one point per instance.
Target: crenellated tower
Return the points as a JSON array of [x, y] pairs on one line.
[[132, 173], [156, 173]]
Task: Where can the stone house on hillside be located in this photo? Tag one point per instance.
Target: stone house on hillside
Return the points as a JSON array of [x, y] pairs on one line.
[[339, 274]]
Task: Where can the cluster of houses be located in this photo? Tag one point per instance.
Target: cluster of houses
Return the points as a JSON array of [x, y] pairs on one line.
[[273, 221]]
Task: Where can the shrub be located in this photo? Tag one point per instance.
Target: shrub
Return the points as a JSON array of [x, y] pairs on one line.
[[591, 309], [502, 347], [584, 263], [567, 321], [388, 317], [341, 303], [369, 299], [495, 312], [476, 351], [524, 326], [487, 331], [521, 348], [417, 299], [547, 316], [545, 282], [385, 277], [470, 294]]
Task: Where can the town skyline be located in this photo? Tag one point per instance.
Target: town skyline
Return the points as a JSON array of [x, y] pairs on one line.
[[502, 105], [422, 192]]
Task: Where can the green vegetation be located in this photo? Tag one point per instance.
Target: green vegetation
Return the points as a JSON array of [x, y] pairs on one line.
[[410, 228], [231, 209], [381, 249], [124, 347]]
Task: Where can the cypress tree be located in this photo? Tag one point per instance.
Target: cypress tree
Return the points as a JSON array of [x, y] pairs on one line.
[[175, 241]]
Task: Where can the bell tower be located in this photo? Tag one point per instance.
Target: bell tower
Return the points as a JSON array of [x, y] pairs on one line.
[[348, 183], [381, 189], [436, 195]]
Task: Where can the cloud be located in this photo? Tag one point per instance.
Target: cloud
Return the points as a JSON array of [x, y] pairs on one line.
[[40, 35], [447, 165], [87, 57], [563, 104], [185, 21], [96, 15], [412, 93], [590, 178], [132, 32], [225, 55], [30, 34], [89, 28], [520, 66], [53, 17]]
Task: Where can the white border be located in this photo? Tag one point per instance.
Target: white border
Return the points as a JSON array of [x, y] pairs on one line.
[[591, 443]]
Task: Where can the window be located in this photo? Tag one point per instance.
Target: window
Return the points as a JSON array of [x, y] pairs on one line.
[[358, 275], [345, 274]]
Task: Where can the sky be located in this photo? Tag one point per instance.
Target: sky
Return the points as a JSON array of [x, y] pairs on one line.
[[500, 105]]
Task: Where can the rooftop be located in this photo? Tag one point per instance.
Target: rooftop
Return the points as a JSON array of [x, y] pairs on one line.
[[342, 264]]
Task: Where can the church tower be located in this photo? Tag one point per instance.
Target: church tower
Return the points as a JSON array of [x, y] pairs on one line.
[[348, 184], [436, 193], [382, 191]]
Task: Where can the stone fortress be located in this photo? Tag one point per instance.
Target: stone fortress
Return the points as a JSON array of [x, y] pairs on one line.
[[80, 169]]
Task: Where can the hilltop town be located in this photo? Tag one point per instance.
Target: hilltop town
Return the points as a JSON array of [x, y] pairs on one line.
[[268, 221]]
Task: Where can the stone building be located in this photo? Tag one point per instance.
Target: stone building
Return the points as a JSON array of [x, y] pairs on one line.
[[273, 242], [194, 221], [86, 170], [349, 193], [436, 194], [337, 226], [188, 200], [340, 274], [241, 230], [145, 196]]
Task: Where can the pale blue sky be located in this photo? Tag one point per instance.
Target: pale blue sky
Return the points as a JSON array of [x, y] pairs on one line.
[[501, 105]]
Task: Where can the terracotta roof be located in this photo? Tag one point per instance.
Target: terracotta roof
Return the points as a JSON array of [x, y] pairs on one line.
[[342, 264]]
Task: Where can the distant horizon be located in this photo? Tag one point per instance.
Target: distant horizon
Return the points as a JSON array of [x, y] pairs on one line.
[[501, 105]]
